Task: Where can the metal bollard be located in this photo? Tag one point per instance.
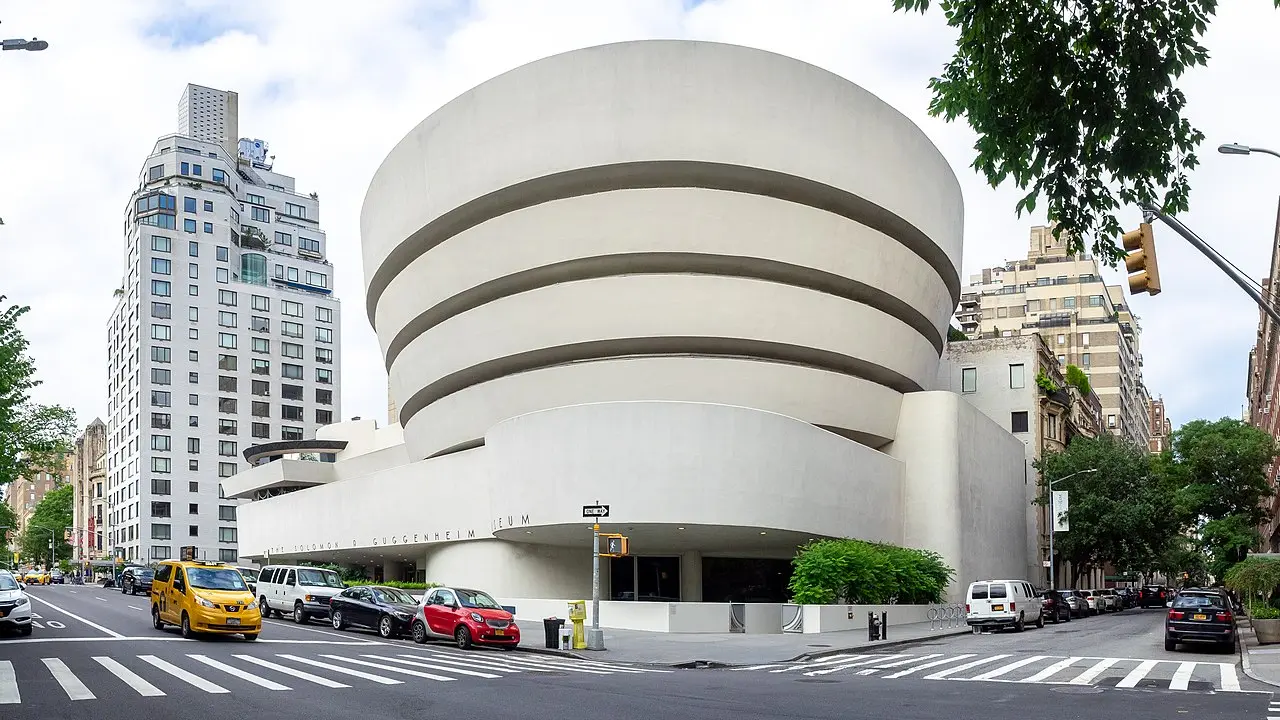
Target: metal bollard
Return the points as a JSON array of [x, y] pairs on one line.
[[884, 626], [873, 626]]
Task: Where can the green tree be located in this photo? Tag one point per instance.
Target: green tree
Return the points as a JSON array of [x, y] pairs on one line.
[[1077, 102], [53, 512], [1122, 514], [32, 436], [955, 334], [1079, 378], [7, 520]]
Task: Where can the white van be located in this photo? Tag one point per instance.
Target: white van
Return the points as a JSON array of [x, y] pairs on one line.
[[297, 590], [1003, 603]]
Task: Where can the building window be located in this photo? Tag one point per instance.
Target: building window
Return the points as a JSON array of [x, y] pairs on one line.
[[160, 532], [288, 432], [260, 409], [260, 387], [160, 354], [291, 392], [291, 329], [260, 345], [293, 372], [193, 531], [219, 177], [161, 465], [223, 254], [189, 225], [160, 443], [193, 271], [1095, 301], [1018, 421], [161, 266], [227, 513], [193, 508], [324, 417], [1017, 376], [1062, 339], [160, 243], [260, 303], [1084, 339], [222, 275], [226, 534], [261, 367], [295, 210], [228, 362], [193, 333], [1069, 303], [226, 319], [291, 309], [324, 355], [160, 486], [260, 214], [193, 446], [291, 350], [156, 172], [226, 469], [324, 314], [227, 448], [208, 228], [1111, 421], [227, 297], [193, 355], [316, 279], [1085, 360], [324, 334], [193, 248], [188, 204], [291, 412], [160, 310], [227, 340], [208, 204], [307, 245], [257, 323], [161, 376], [193, 290], [228, 383], [969, 380], [324, 375], [261, 430], [196, 169], [324, 397], [284, 239], [193, 421], [227, 405], [161, 288], [160, 398], [161, 510]]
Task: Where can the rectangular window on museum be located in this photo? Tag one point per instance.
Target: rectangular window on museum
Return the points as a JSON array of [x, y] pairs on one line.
[[969, 380], [1017, 376], [1018, 421]]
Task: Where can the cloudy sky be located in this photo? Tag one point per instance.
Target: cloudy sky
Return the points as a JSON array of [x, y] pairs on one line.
[[333, 85]]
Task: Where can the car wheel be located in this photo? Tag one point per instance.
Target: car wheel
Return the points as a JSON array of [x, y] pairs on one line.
[[463, 637], [250, 637], [386, 628], [338, 622], [1021, 624], [186, 627], [419, 631], [25, 630], [1040, 619], [156, 622], [1170, 645], [299, 615], [262, 607]]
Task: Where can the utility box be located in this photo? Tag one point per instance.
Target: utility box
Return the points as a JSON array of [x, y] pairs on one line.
[[578, 616]]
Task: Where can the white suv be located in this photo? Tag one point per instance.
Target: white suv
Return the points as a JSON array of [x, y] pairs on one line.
[[15, 606], [1003, 603], [297, 590]]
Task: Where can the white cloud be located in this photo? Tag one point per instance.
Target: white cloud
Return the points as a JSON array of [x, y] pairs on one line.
[[334, 85]]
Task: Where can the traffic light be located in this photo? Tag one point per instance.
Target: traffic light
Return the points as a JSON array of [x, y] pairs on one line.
[[1140, 245], [615, 545]]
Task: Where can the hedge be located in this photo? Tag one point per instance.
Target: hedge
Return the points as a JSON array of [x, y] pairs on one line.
[[394, 584], [866, 573]]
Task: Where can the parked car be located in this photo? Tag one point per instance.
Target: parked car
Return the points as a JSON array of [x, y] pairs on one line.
[[1094, 601], [1075, 603], [1002, 604], [136, 580], [15, 606], [1057, 606], [1115, 602], [1150, 596], [250, 576], [1200, 617], [297, 590], [203, 597], [470, 617], [388, 610], [56, 578]]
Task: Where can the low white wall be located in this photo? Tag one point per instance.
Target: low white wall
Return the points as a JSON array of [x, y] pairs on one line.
[[837, 618], [628, 615]]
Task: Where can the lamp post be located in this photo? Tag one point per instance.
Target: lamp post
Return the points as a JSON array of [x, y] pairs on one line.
[[1238, 149], [1053, 524]]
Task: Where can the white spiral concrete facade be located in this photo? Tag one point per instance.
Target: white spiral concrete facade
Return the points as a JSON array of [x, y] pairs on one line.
[[606, 211]]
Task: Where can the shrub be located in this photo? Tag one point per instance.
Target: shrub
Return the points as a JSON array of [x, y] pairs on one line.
[[866, 573], [1264, 612], [1255, 578], [1079, 378], [395, 584]]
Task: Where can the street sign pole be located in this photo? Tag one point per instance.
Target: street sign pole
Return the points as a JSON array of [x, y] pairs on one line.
[[595, 636]]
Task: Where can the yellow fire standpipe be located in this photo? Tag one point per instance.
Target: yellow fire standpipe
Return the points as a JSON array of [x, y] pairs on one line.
[[578, 616]]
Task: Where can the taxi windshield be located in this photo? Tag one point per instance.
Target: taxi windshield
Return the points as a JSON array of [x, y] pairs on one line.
[[221, 579]]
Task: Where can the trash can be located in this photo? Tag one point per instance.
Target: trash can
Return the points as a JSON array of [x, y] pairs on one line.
[[552, 627]]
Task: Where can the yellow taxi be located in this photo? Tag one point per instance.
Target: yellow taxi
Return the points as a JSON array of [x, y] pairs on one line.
[[36, 577], [203, 597]]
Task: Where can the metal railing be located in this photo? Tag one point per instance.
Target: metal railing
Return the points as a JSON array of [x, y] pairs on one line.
[[942, 617]]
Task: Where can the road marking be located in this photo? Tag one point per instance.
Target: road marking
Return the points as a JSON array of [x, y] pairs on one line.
[[344, 671], [961, 668], [908, 661], [73, 616], [9, 694], [449, 659], [189, 678], [135, 607], [845, 666], [36, 625], [1088, 676], [67, 679], [361, 643], [1006, 669], [1050, 671], [129, 677], [1135, 676], [445, 668], [1230, 681], [237, 672], [303, 627], [818, 663], [542, 665], [1182, 678], [290, 671], [100, 598], [935, 663], [388, 668]]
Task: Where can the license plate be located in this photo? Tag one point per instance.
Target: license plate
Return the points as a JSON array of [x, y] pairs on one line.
[[997, 608], [499, 632], [1199, 617], [233, 621]]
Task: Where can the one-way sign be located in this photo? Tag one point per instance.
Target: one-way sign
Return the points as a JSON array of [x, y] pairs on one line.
[[597, 511]]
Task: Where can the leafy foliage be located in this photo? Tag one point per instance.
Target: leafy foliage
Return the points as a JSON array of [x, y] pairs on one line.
[[1256, 578], [31, 436], [1077, 101], [865, 573], [1046, 383], [53, 513], [395, 584], [1079, 378], [1123, 513], [955, 334]]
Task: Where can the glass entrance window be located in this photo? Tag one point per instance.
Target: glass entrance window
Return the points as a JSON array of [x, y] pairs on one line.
[[644, 578]]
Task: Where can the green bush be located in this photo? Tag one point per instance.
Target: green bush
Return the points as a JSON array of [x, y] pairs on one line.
[[1264, 612], [395, 584], [1256, 578], [865, 573]]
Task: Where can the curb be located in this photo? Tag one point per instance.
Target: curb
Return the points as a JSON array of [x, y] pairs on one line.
[[886, 643], [1247, 666]]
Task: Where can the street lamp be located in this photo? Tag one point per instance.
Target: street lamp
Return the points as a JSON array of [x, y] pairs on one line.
[[1238, 149], [1053, 523], [34, 44]]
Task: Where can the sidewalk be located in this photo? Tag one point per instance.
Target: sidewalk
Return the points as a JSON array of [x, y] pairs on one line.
[[1262, 663], [721, 649]]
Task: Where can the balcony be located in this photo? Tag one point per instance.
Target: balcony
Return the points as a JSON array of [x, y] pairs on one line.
[[251, 238]]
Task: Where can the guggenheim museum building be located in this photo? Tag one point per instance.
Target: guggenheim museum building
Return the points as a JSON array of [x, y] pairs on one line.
[[703, 284]]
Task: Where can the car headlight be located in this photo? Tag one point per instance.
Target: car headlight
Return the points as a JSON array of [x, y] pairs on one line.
[[253, 605], [403, 615], [205, 603], [23, 600], [476, 616]]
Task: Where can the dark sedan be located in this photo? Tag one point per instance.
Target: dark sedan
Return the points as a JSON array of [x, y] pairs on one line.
[[1150, 596], [385, 609], [136, 581], [1200, 617], [1056, 606]]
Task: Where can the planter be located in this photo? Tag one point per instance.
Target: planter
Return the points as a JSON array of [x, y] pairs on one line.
[[1267, 631]]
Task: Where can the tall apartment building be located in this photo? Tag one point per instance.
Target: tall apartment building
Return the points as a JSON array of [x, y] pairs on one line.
[[89, 482], [1161, 428], [25, 493], [1263, 385], [1085, 322], [239, 349]]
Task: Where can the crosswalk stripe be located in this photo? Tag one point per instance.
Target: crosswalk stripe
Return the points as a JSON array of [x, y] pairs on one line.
[[1230, 681], [832, 660], [1052, 670], [342, 670], [1088, 676], [961, 668], [9, 694], [614, 667], [71, 684], [444, 668], [1182, 677], [1135, 676], [1006, 669], [546, 666], [846, 666], [449, 659], [900, 663], [129, 677], [237, 672], [756, 667], [388, 668], [926, 666], [189, 678], [291, 671]]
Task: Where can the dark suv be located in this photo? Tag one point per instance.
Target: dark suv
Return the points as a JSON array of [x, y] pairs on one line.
[[1153, 596], [1056, 607], [1200, 616], [136, 580]]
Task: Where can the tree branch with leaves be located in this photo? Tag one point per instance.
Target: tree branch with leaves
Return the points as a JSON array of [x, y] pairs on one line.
[[33, 437]]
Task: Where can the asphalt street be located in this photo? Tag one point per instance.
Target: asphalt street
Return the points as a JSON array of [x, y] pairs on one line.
[[95, 655]]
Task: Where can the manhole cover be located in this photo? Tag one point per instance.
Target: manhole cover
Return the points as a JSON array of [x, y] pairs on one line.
[[1082, 690], [815, 680]]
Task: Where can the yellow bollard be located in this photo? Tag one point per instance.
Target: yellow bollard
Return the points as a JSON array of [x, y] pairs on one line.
[[578, 616]]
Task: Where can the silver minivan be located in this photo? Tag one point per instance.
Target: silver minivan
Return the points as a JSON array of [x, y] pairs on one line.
[[992, 604]]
